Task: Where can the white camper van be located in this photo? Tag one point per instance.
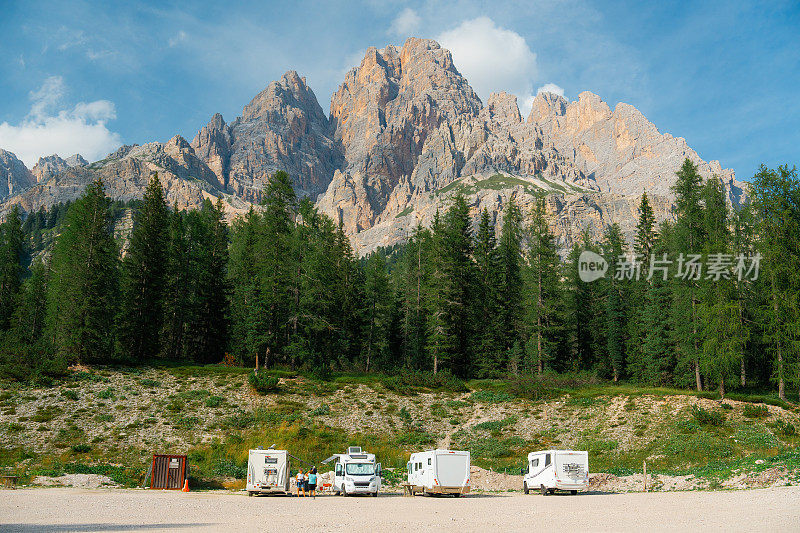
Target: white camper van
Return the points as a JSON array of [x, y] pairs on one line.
[[355, 472], [268, 471], [439, 472], [551, 470]]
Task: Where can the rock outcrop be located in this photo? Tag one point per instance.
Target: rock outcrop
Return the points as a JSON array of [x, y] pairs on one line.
[[282, 128], [14, 175], [49, 166]]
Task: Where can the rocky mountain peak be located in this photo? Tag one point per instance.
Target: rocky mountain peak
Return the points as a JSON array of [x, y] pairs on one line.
[[76, 160], [14, 175]]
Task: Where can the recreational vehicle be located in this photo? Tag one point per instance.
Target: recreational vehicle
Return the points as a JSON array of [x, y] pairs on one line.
[[355, 472], [439, 472], [551, 470], [268, 471]]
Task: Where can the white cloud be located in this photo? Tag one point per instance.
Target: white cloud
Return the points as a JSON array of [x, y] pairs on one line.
[[492, 58], [177, 39], [550, 88], [48, 130], [406, 23]]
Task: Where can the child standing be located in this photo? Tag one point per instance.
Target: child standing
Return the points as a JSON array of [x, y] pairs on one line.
[[301, 482]]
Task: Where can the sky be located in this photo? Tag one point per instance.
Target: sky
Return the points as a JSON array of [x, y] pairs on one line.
[[85, 77]]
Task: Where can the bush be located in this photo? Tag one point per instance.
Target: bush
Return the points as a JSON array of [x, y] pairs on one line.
[[264, 383], [322, 410], [81, 448], [488, 396], [755, 411], [214, 401], [410, 382], [106, 394], [149, 383], [784, 428], [69, 394], [707, 418]]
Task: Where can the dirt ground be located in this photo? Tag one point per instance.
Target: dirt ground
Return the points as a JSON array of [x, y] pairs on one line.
[[775, 509]]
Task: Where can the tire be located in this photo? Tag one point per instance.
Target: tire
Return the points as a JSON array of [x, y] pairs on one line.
[[544, 490], [525, 488], [344, 491], [573, 492], [250, 493], [375, 494]]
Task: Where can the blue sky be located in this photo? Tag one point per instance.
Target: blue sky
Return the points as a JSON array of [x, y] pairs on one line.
[[86, 76]]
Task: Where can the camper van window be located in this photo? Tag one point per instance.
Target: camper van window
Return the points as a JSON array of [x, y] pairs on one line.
[[547, 460], [338, 469], [429, 460], [534, 463], [360, 469]]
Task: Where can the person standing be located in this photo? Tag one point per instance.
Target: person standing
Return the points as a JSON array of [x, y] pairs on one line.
[[301, 482], [312, 481]]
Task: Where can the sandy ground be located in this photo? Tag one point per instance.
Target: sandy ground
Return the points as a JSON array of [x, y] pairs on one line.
[[775, 509]]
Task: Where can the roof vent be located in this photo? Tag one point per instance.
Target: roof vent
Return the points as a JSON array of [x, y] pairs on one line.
[[353, 449]]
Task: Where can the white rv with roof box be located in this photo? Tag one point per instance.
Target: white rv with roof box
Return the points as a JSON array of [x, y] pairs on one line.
[[439, 472], [551, 470], [268, 471], [355, 472]]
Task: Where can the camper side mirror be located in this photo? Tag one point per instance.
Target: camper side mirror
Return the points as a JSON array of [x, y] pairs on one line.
[[379, 470], [523, 471]]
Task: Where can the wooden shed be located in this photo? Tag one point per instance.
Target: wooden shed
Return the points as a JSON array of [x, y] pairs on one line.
[[168, 472]]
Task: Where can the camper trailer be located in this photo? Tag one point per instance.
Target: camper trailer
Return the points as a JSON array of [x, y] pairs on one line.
[[551, 470], [355, 472], [268, 472], [439, 472]]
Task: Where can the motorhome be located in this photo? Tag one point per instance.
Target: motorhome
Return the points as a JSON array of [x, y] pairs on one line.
[[551, 470], [439, 472], [268, 471], [355, 472]]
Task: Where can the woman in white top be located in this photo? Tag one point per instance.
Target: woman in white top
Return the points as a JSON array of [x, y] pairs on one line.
[[301, 482]]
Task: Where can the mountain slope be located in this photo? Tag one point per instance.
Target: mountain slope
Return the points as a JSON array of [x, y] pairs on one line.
[[406, 133]]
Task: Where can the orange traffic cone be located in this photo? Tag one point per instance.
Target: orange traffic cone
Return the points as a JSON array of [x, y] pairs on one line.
[[185, 486]]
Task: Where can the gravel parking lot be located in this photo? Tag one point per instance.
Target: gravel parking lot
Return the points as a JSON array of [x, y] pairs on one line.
[[776, 509]]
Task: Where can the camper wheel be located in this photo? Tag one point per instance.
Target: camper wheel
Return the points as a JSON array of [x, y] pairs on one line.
[[525, 488], [375, 494], [544, 490], [250, 493], [344, 490], [573, 492]]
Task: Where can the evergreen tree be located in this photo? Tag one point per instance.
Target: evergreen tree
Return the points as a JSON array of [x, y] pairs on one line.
[[489, 353], [723, 338], [176, 302], [776, 203], [638, 285], [657, 361], [615, 297], [412, 283], [689, 237], [543, 289], [378, 310], [510, 294], [82, 293], [12, 249], [143, 277]]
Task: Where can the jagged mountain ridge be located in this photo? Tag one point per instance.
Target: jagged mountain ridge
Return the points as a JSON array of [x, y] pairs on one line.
[[405, 133]]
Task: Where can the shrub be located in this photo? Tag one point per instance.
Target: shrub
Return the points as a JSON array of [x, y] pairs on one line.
[[410, 382], [69, 394], [106, 394], [707, 418], [149, 383], [214, 401], [263, 383], [322, 410], [495, 425], [785, 428], [756, 411], [487, 396], [81, 448]]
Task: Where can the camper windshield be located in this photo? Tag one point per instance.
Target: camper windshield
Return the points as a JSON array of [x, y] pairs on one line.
[[360, 469]]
